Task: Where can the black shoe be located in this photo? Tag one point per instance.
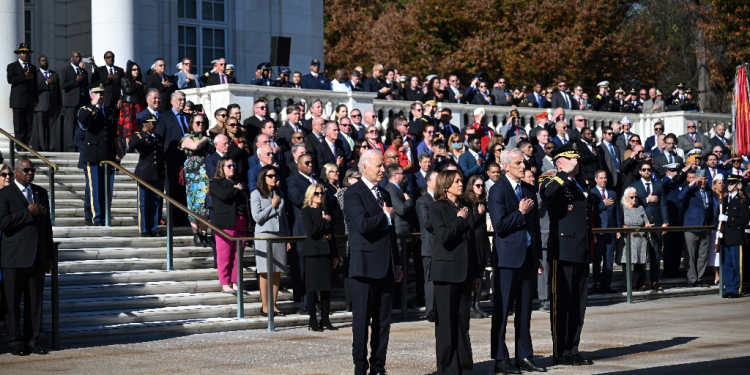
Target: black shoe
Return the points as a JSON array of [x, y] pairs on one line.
[[544, 307], [582, 360], [312, 325], [566, 360], [431, 317], [154, 234], [197, 240], [326, 323], [98, 224], [19, 351], [475, 313], [608, 290], [89, 223], [527, 364], [278, 314], [147, 234], [204, 239], [505, 367], [733, 295], [36, 349]]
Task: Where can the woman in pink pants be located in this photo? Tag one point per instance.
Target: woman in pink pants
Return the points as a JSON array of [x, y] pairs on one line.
[[231, 210]]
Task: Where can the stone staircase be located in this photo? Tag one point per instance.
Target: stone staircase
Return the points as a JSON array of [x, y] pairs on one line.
[[114, 285]]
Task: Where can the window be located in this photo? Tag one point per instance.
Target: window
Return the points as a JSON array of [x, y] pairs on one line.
[[27, 27], [202, 32]]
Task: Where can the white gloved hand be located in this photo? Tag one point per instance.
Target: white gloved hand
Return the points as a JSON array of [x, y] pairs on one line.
[[723, 217], [720, 235]]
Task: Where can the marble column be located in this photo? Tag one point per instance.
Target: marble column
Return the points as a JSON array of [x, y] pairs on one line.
[[113, 25], [11, 34]]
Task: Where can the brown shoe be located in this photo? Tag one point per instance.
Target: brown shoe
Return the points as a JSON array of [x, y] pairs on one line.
[[655, 286]]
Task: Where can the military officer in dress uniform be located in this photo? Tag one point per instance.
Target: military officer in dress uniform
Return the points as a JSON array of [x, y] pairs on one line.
[[570, 208], [96, 138], [602, 101], [735, 219], [150, 168], [689, 104]]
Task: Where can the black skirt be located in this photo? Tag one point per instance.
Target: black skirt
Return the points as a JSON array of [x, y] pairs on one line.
[[319, 273]]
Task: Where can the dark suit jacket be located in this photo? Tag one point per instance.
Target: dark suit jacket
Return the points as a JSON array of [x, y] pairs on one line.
[[544, 103], [511, 226], [715, 141], [674, 204], [588, 162], [371, 239], [738, 217], [74, 93], [154, 81], [225, 198], [660, 163], [427, 233], [307, 81], [606, 216], [286, 131], [452, 95], [112, 91], [694, 212], [419, 180], [607, 164], [324, 153], [22, 90], [24, 236], [454, 257], [214, 79], [170, 130], [296, 186], [404, 209], [468, 165], [211, 162], [558, 101], [655, 210], [479, 99], [650, 143], [49, 96]]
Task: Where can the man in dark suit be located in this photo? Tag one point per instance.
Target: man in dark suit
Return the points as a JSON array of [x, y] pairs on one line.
[[164, 83], [606, 207], [315, 80], [536, 99], [651, 141], [96, 137], [652, 198], [721, 141], [610, 159], [672, 183], [562, 99], [109, 75], [374, 263], [252, 124], [515, 220], [23, 96], [698, 204], [315, 138], [45, 135], [348, 143], [669, 156], [425, 164], [589, 159], [172, 125], [445, 127], [472, 161], [220, 77], [292, 126], [330, 150], [290, 168], [570, 205], [296, 186], [427, 236], [150, 168], [28, 251], [455, 94], [74, 81]]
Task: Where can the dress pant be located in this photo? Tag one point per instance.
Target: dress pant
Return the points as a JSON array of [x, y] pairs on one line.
[[654, 256], [23, 120], [542, 281], [371, 307], [69, 128], [638, 276], [673, 246], [429, 286], [568, 292], [149, 207], [226, 251], [93, 203], [44, 133], [696, 246], [452, 343], [296, 260], [731, 268], [413, 250], [514, 288], [604, 259], [177, 192], [27, 285]]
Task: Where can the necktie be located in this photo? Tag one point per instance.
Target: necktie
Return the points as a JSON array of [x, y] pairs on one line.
[[29, 195], [449, 128], [604, 194], [612, 152], [312, 180], [379, 196], [333, 148], [648, 188], [669, 157], [692, 136], [101, 108], [713, 172], [563, 140], [25, 67], [46, 75], [519, 195], [183, 124], [567, 101], [320, 138], [223, 78], [111, 70], [580, 106], [78, 71], [703, 198]]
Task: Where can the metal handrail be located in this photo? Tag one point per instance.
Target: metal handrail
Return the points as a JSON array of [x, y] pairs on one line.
[[52, 168]]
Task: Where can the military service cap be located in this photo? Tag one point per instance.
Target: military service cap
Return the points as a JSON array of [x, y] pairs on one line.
[[680, 85], [96, 88], [733, 178], [568, 151]]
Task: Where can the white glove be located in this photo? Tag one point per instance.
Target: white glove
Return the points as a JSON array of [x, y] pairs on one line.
[[719, 234], [723, 217]]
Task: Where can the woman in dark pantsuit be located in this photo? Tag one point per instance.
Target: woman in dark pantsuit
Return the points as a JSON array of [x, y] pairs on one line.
[[455, 273], [476, 196], [321, 256]]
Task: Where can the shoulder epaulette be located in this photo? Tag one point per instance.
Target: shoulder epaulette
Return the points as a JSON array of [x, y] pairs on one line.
[[139, 135], [550, 176], [599, 96]]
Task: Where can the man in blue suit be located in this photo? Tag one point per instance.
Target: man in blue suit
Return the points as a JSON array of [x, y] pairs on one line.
[[515, 219], [698, 204], [425, 164], [185, 77], [652, 198], [712, 169], [606, 207], [472, 162], [672, 183], [171, 126], [315, 80], [536, 97], [374, 263]]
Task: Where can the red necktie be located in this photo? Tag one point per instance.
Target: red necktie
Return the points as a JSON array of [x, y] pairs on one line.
[[604, 194]]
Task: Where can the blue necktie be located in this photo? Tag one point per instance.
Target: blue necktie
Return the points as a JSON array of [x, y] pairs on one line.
[[183, 125], [612, 151], [519, 195]]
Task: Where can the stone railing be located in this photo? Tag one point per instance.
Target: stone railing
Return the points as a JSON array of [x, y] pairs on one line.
[[214, 97]]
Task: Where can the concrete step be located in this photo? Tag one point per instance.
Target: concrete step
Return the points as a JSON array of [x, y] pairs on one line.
[[81, 186], [126, 221], [79, 194], [75, 292], [114, 253], [69, 177], [135, 276], [81, 212], [123, 242], [140, 264], [77, 203], [119, 231]]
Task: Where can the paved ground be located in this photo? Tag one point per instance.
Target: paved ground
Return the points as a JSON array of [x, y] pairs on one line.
[[680, 336]]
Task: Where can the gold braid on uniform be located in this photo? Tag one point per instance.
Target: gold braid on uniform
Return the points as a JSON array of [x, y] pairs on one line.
[[550, 176]]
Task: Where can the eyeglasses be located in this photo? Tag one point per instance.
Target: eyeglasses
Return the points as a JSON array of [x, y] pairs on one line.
[[199, 123], [564, 127], [691, 127], [658, 129], [271, 176], [28, 170], [419, 110], [430, 132], [4, 175], [646, 170], [356, 115], [334, 171], [482, 86], [135, 70], [635, 141], [363, 146], [318, 193], [631, 197], [109, 57], [344, 125], [736, 161], [580, 120], [501, 82], [718, 152], [372, 132], [298, 137], [231, 166], [560, 85], [374, 116], [550, 148], [608, 133], [307, 163], [261, 107], [232, 125], [223, 115], [479, 185]]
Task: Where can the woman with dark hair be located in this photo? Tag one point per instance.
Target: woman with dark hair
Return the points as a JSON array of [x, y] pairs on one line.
[[434, 92], [132, 101], [220, 115], [351, 178], [321, 256], [341, 112], [634, 140], [197, 145], [493, 153], [267, 208], [476, 195], [231, 210], [414, 91], [396, 143], [454, 271], [239, 147], [360, 146]]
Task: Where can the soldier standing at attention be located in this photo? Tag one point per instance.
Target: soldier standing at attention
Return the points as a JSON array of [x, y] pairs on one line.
[[569, 205], [733, 237], [150, 168], [96, 137]]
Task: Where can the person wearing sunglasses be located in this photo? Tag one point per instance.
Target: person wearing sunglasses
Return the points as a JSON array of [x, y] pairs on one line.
[[221, 117], [634, 216], [482, 97], [693, 139], [231, 214], [132, 99], [197, 145], [109, 76], [163, 82], [475, 195], [651, 196], [720, 140], [220, 77]]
